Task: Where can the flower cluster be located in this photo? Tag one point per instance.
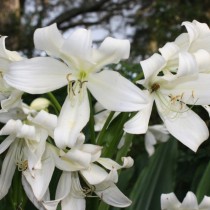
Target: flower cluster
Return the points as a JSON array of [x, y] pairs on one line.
[[39, 142]]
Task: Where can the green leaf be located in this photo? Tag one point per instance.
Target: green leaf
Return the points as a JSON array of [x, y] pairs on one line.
[[155, 179], [204, 184]]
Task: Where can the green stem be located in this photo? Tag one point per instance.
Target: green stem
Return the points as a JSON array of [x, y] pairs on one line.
[[125, 148], [138, 77], [103, 206], [91, 121], [55, 102], [102, 132], [110, 149]]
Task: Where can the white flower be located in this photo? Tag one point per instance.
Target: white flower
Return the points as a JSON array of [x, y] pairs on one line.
[[193, 45], [171, 94], [80, 69], [101, 116], [26, 142], [9, 96], [80, 163], [170, 202], [154, 134]]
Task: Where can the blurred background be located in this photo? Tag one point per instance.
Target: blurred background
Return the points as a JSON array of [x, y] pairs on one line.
[[148, 24]]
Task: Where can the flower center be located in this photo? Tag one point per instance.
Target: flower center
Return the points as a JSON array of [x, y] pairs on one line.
[[21, 162], [76, 83], [154, 87]]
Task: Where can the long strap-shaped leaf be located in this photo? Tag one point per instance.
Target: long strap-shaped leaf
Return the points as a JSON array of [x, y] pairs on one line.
[[155, 179]]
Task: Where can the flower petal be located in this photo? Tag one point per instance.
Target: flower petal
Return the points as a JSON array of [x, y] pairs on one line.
[[72, 202], [6, 143], [39, 182], [112, 195], [203, 60], [190, 202], [152, 65], [45, 120], [187, 65], [194, 90], [7, 170], [13, 101], [169, 201], [139, 123], [37, 75], [94, 174], [73, 117], [78, 45], [205, 203], [30, 194], [48, 39], [111, 164], [169, 50], [115, 92], [111, 51], [186, 126]]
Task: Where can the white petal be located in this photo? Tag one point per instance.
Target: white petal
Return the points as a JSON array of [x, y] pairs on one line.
[[187, 65], [6, 54], [203, 60], [64, 185], [192, 30], [139, 123], [152, 65], [63, 162], [202, 27], [6, 143], [205, 203], [12, 127], [111, 51], [94, 174], [113, 196], [13, 101], [186, 126], [71, 202], [63, 189], [7, 170], [39, 182], [115, 92], [72, 119], [45, 120], [169, 50], [37, 75], [169, 201], [190, 202], [149, 142], [30, 194], [94, 150], [48, 39], [111, 164], [78, 45]]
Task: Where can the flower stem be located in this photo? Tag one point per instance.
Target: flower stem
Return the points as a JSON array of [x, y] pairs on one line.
[[91, 121], [55, 102], [102, 132]]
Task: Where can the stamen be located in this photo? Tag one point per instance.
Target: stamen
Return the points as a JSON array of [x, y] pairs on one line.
[[155, 87]]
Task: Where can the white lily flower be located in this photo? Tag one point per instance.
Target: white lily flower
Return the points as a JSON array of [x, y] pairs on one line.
[[9, 96], [26, 142], [170, 202], [171, 94], [101, 116], [154, 134], [80, 70], [79, 163], [194, 44]]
